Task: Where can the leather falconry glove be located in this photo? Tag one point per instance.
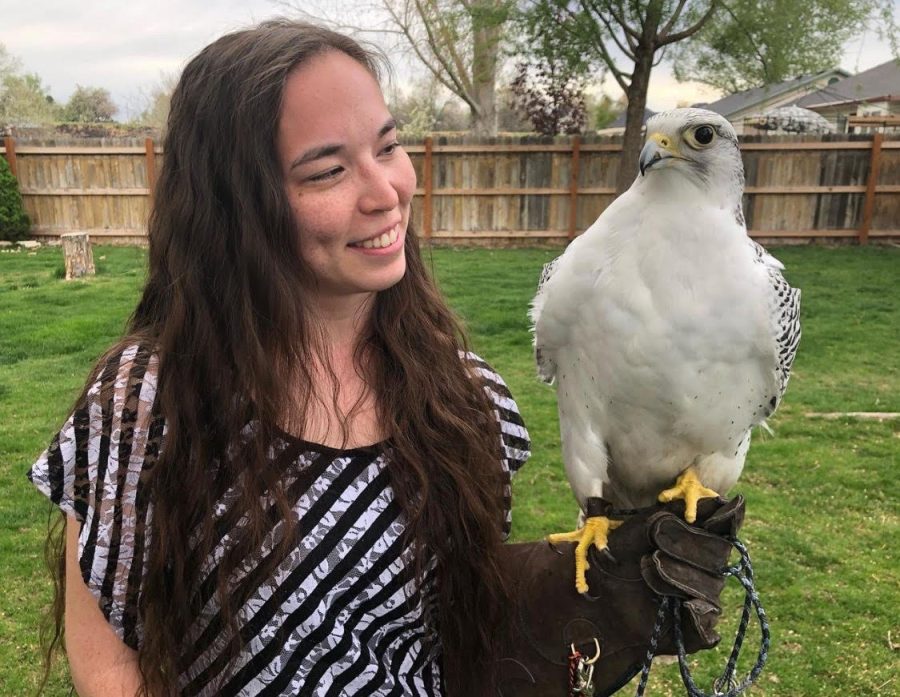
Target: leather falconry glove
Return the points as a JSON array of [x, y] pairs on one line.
[[654, 553]]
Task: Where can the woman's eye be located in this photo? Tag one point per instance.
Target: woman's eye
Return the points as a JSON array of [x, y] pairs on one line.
[[326, 175], [390, 148]]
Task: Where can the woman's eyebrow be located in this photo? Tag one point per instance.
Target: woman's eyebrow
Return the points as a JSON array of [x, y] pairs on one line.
[[389, 126], [328, 150], [316, 154]]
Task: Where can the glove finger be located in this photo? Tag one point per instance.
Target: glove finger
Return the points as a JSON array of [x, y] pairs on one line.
[[690, 544], [669, 576], [699, 619], [656, 582], [728, 519]]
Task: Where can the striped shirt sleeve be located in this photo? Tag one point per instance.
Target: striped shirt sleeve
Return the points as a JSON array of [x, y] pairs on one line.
[[95, 470], [514, 440]]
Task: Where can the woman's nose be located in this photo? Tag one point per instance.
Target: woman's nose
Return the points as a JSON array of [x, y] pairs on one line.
[[379, 192]]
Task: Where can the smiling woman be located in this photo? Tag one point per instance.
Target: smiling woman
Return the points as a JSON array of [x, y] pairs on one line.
[[349, 182], [267, 489]]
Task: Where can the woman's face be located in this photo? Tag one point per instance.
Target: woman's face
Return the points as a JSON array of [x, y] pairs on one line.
[[349, 183]]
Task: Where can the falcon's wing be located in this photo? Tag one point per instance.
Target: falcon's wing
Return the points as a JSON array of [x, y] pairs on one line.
[[543, 354], [784, 312]]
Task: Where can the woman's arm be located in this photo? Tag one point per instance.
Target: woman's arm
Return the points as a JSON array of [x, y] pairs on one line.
[[100, 663]]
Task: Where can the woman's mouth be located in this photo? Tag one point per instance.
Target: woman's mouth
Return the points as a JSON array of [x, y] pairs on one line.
[[385, 239]]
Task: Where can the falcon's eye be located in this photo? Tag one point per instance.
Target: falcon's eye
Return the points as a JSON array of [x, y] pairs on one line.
[[703, 135]]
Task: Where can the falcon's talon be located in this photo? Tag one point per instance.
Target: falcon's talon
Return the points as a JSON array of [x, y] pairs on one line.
[[689, 488], [595, 531]]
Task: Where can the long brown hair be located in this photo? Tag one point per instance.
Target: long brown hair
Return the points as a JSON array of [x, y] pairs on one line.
[[226, 307]]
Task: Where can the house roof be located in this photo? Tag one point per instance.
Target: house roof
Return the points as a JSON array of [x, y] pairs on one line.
[[877, 82], [747, 99], [620, 119]]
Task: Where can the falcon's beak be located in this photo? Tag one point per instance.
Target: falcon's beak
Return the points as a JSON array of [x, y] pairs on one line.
[[658, 147]]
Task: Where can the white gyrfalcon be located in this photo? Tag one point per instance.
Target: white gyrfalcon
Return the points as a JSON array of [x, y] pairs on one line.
[[668, 332]]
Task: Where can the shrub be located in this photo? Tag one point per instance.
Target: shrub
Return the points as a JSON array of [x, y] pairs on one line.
[[14, 223]]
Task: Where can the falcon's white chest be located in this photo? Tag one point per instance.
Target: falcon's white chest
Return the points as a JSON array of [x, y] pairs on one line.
[[671, 356]]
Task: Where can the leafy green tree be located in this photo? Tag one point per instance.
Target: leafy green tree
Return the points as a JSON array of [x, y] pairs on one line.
[[751, 43], [24, 100], [14, 223], [8, 63], [90, 105], [604, 111], [627, 39]]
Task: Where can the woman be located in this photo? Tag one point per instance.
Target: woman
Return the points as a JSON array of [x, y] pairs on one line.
[[289, 476]]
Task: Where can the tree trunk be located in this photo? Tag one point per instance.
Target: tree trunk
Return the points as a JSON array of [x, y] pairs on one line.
[[637, 94], [78, 255], [634, 121], [486, 50]]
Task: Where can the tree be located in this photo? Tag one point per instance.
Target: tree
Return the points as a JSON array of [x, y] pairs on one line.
[[24, 100], [9, 64], [156, 100], [416, 110], [752, 43], [459, 42], [551, 96], [155, 112], [90, 105], [605, 110], [509, 118], [14, 223], [627, 39]]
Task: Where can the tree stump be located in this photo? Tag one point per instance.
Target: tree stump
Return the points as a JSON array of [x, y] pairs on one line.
[[78, 254]]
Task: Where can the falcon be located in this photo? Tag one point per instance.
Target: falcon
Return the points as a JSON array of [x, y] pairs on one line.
[[668, 332]]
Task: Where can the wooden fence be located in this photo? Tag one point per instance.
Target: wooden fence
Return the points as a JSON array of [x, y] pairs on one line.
[[505, 190]]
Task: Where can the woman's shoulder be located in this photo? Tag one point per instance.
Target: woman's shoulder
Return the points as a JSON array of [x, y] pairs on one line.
[[514, 435], [491, 379], [127, 367], [114, 428]]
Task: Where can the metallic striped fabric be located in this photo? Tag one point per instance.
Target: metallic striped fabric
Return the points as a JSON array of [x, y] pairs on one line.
[[340, 615]]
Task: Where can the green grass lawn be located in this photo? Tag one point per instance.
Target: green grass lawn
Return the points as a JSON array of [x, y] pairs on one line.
[[823, 516]]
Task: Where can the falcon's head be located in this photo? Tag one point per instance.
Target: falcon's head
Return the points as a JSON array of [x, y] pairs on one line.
[[696, 143]]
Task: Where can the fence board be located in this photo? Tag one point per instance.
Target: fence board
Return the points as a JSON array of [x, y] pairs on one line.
[[503, 189]]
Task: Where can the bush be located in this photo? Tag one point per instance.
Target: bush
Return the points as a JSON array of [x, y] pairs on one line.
[[14, 223]]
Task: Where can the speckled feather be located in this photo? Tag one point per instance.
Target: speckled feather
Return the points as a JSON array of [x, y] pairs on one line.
[[668, 333]]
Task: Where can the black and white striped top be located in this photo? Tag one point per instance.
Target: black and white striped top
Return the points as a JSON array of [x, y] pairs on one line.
[[341, 614]]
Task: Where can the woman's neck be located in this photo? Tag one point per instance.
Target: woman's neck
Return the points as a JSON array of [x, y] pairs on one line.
[[343, 320], [346, 416]]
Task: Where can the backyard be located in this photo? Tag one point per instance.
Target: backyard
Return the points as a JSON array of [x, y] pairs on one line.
[[822, 494]]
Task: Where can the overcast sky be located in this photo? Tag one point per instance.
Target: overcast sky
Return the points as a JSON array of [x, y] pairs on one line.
[[127, 45]]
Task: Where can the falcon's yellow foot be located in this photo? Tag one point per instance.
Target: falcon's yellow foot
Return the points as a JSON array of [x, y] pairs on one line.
[[595, 531], [689, 488]]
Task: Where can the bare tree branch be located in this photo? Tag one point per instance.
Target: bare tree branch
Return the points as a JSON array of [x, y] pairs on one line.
[[442, 71], [674, 18], [693, 29], [617, 15], [433, 18], [629, 51]]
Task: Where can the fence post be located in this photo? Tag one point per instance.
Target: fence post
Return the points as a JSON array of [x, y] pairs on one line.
[[10, 144], [427, 175], [149, 149], [869, 205], [573, 187]]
